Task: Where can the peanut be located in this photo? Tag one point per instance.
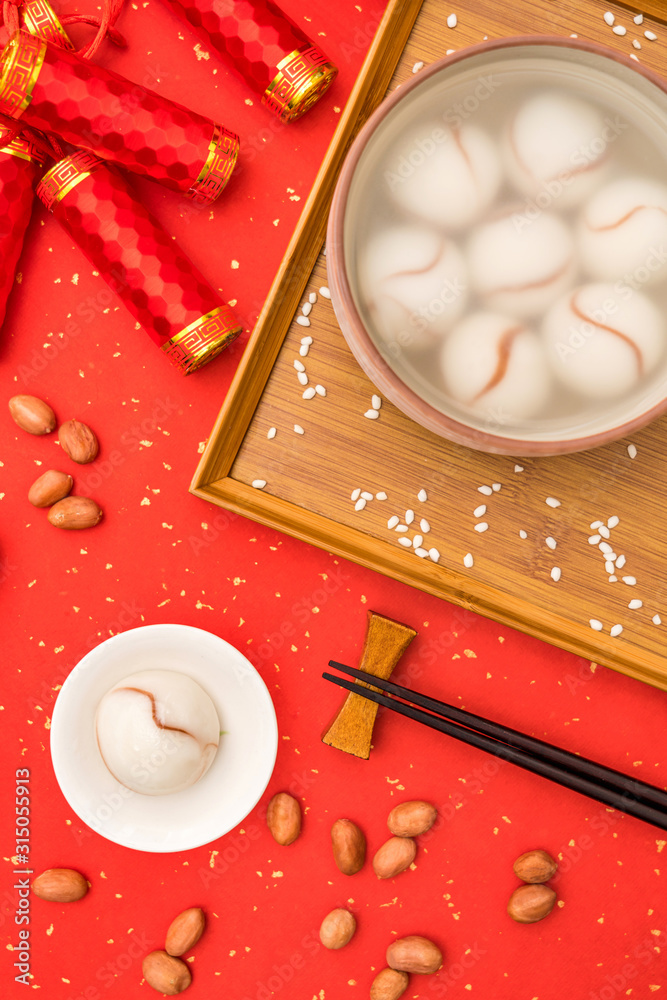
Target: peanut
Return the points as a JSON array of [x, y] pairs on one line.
[[409, 819], [32, 414], [337, 929], [349, 846], [283, 818], [49, 488], [395, 855]]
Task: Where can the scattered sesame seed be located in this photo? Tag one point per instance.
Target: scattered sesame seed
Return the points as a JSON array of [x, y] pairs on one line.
[[402, 528], [324, 292], [405, 541], [372, 414], [552, 502], [595, 624], [417, 66], [409, 516], [634, 605], [613, 578], [307, 340], [555, 574], [303, 350], [259, 484], [376, 402], [480, 511], [518, 468], [468, 560], [360, 504], [417, 541], [657, 620], [593, 539], [620, 562], [306, 308], [424, 525], [393, 521], [632, 450], [452, 20], [299, 365], [613, 521], [298, 429], [604, 530], [523, 534], [481, 526], [312, 298], [302, 377], [381, 496], [435, 555], [551, 542], [355, 494], [615, 630], [422, 496], [308, 393], [320, 390], [609, 18], [303, 321], [486, 490], [609, 566], [421, 552], [271, 433], [618, 29], [366, 495], [636, 44], [496, 487], [595, 524], [605, 547], [639, 19], [630, 580], [651, 35]]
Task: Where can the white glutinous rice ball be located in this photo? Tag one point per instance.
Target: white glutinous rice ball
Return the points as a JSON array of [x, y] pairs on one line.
[[556, 149], [497, 366], [623, 232], [519, 265], [157, 731], [446, 176], [415, 283], [601, 342]]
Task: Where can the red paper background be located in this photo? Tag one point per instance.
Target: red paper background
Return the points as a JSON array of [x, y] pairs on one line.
[[163, 556]]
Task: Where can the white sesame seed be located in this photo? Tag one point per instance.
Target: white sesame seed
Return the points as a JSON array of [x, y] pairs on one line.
[[636, 44], [639, 19], [518, 468], [496, 487], [405, 541], [611, 556], [605, 547], [381, 496], [595, 624], [593, 539], [657, 620], [298, 429], [401, 528], [551, 542], [634, 605], [632, 450], [355, 494], [618, 29], [312, 298], [613, 521], [417, 541], [303, 350], [555, 574], [393, 521], [424, 525], [409, 516], [620, 562], [421, 552], [552, 502], [360, 504], [308, 393], [259, 484], [324, 292], [303, 321], [604, 530], [271, 433], [613, 579], [651, 35], [615, 630], [486, 490], [480, 511], [366, 495], [523, 534], [609, 566], [630, 580], [306, 308], [307, 340], [417, 66], [302, 377], [376, 402], [434, 554], [449, 52], [595, 524], [422, 496], [372, 414], [452, 20], [481, 526], [609, 18], [299, 365], [468, 560], [320, 390]]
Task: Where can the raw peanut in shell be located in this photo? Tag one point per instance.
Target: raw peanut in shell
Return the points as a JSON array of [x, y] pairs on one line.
[[535, 866], [184, 931], [414, 954], [60, 885], [165, 973], [74, 513], [337, 929], [389, 984], [530, 903], [32, 414], [395, 855], [409, 819], [49, 488], [283, 818], [78, 441], [349, 846]]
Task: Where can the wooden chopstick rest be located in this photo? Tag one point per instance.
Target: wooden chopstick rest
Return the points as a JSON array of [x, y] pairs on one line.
[[352, 728]]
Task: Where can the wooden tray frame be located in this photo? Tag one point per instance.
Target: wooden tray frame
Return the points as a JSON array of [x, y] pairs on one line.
[[213, 481]]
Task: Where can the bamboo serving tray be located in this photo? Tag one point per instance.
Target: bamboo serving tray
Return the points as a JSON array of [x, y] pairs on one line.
[[310, 476]]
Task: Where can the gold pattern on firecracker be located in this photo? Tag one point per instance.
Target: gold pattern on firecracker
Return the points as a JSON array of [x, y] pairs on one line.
[[40, 19], [203, 340], [20, 65], [65, 175], [223, 151], [23, 149], [302, 77]]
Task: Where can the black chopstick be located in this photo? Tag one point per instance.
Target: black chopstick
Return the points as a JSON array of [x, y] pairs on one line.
[[624, 801], [623, 783]]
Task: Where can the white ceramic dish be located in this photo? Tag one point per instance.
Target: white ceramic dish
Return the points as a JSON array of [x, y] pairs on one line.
[[230, 788]]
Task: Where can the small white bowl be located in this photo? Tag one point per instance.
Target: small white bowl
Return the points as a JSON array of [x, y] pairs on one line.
[[235, 780]]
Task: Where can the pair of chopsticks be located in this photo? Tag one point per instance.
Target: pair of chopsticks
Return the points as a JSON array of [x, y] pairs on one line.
[[613, 788]]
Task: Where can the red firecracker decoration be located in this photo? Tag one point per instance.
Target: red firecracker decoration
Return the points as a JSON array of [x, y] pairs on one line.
[[20, 165], [139, 260], [55, 90], [272, 53]]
